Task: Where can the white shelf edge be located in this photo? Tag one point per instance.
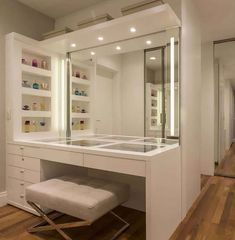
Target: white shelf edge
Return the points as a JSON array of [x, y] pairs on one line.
[[81, 81], [80, 98], [36, 92], [43, 114], [35, 70], [81, 115]]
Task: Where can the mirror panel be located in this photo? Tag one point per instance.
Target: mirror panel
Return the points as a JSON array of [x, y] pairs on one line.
[[127, 88]]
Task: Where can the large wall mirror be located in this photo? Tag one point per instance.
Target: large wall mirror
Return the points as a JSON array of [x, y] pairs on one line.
[[127, 88]]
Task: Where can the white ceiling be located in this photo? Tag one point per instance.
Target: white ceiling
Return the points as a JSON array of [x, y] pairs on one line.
[[217, 19], [58, 8]]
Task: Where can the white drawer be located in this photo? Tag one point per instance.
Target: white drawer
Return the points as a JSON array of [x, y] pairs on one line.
[[120, 165], [15, 149], [23, 162], [23, 174], [15, 191], [62, 157], [23, 150]]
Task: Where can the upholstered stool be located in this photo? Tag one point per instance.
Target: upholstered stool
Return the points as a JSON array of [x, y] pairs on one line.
[[82, 197]]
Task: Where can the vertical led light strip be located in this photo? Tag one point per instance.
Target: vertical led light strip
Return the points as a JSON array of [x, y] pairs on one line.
[[172, 87], [62, 107]]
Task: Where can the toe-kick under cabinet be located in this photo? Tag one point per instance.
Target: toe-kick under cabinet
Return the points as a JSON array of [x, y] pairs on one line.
[[22, 171]]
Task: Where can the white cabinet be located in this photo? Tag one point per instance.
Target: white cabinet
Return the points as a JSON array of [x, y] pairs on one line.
[[22, 170]]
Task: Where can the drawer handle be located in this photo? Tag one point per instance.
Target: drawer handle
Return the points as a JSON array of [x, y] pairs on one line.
[[21, 148], [22, 184], [21, 196], [22, 159], [21, 171]]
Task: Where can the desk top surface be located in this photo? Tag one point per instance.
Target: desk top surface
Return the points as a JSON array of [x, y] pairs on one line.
[[139, 148]]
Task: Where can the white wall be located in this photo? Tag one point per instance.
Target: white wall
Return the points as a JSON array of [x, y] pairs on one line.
[[190, 104], [208, 108], [15, 17], [112, 7]]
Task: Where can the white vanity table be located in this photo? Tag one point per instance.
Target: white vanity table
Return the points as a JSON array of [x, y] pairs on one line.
[[149, 165]]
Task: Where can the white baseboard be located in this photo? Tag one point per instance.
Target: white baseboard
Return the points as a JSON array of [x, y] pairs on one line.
[[3, 199]]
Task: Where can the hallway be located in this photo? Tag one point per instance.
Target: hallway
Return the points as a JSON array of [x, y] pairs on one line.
[[227, 167]]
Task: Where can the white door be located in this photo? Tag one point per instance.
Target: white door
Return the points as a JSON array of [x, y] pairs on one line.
[[104, 105]]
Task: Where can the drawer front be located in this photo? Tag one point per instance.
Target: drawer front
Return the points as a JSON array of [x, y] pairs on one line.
[[32, 152], [120, 165], [15, 191], [62, 157], [15, 149], [23, 174], [23, 162]]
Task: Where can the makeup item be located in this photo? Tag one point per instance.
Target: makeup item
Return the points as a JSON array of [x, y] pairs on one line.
[[26, 108], [77, 92], [44, 86], [34, 126], [77, 74], [35, 107], [42, 123], [27, 126], [77, 126], [83, 93], [78, 109], [82, 125], [83, 111], [42, 107], [84, 76], [35, 85], [23, 60], [73, 109], [25, 84], [34, 63], [44, 64]]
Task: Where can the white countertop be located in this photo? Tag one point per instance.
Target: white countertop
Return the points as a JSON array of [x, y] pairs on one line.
[[100, 149]]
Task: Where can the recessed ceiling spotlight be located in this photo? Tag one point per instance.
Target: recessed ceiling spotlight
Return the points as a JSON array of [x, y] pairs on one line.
[[148, 42], [132, 30], [73, 45], [118, 48], [100, 38], [92, 53], [152, 58]]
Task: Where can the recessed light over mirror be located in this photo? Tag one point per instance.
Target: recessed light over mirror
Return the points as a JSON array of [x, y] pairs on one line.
[[92, 53], [100, 38], [73, 45], [152, 58], [132, 30], [118, 48], [148, 42]]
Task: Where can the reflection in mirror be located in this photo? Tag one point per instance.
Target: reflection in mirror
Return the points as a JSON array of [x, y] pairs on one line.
[[127, 88]]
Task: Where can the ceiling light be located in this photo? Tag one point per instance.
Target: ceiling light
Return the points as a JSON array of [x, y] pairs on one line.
[[118, 48], [73, 45], [100, 38], [132, 29], [148, 42], [152, 58], [92, 53]]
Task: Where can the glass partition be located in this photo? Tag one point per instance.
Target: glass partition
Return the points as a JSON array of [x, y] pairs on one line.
[[128, 88]]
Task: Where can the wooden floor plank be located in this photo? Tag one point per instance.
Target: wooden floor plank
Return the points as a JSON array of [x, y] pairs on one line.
[[14, 222]]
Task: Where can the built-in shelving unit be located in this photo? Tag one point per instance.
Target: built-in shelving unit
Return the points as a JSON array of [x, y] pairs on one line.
[[153, 106], [36, 99], [81, 98]]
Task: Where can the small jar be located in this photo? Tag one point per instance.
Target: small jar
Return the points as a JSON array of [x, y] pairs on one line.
[[77, 74], [44, 64], [35, 107], [82, 125], [42, 106], [35, 85], [27, 126], [34, 63], [78, 109]]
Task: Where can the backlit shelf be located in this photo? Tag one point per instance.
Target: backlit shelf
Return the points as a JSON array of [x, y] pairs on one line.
[[41, 114], [36, 92], [35, 70]]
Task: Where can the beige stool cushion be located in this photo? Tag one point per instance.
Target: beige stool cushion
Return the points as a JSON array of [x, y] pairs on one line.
[[82, 197]]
